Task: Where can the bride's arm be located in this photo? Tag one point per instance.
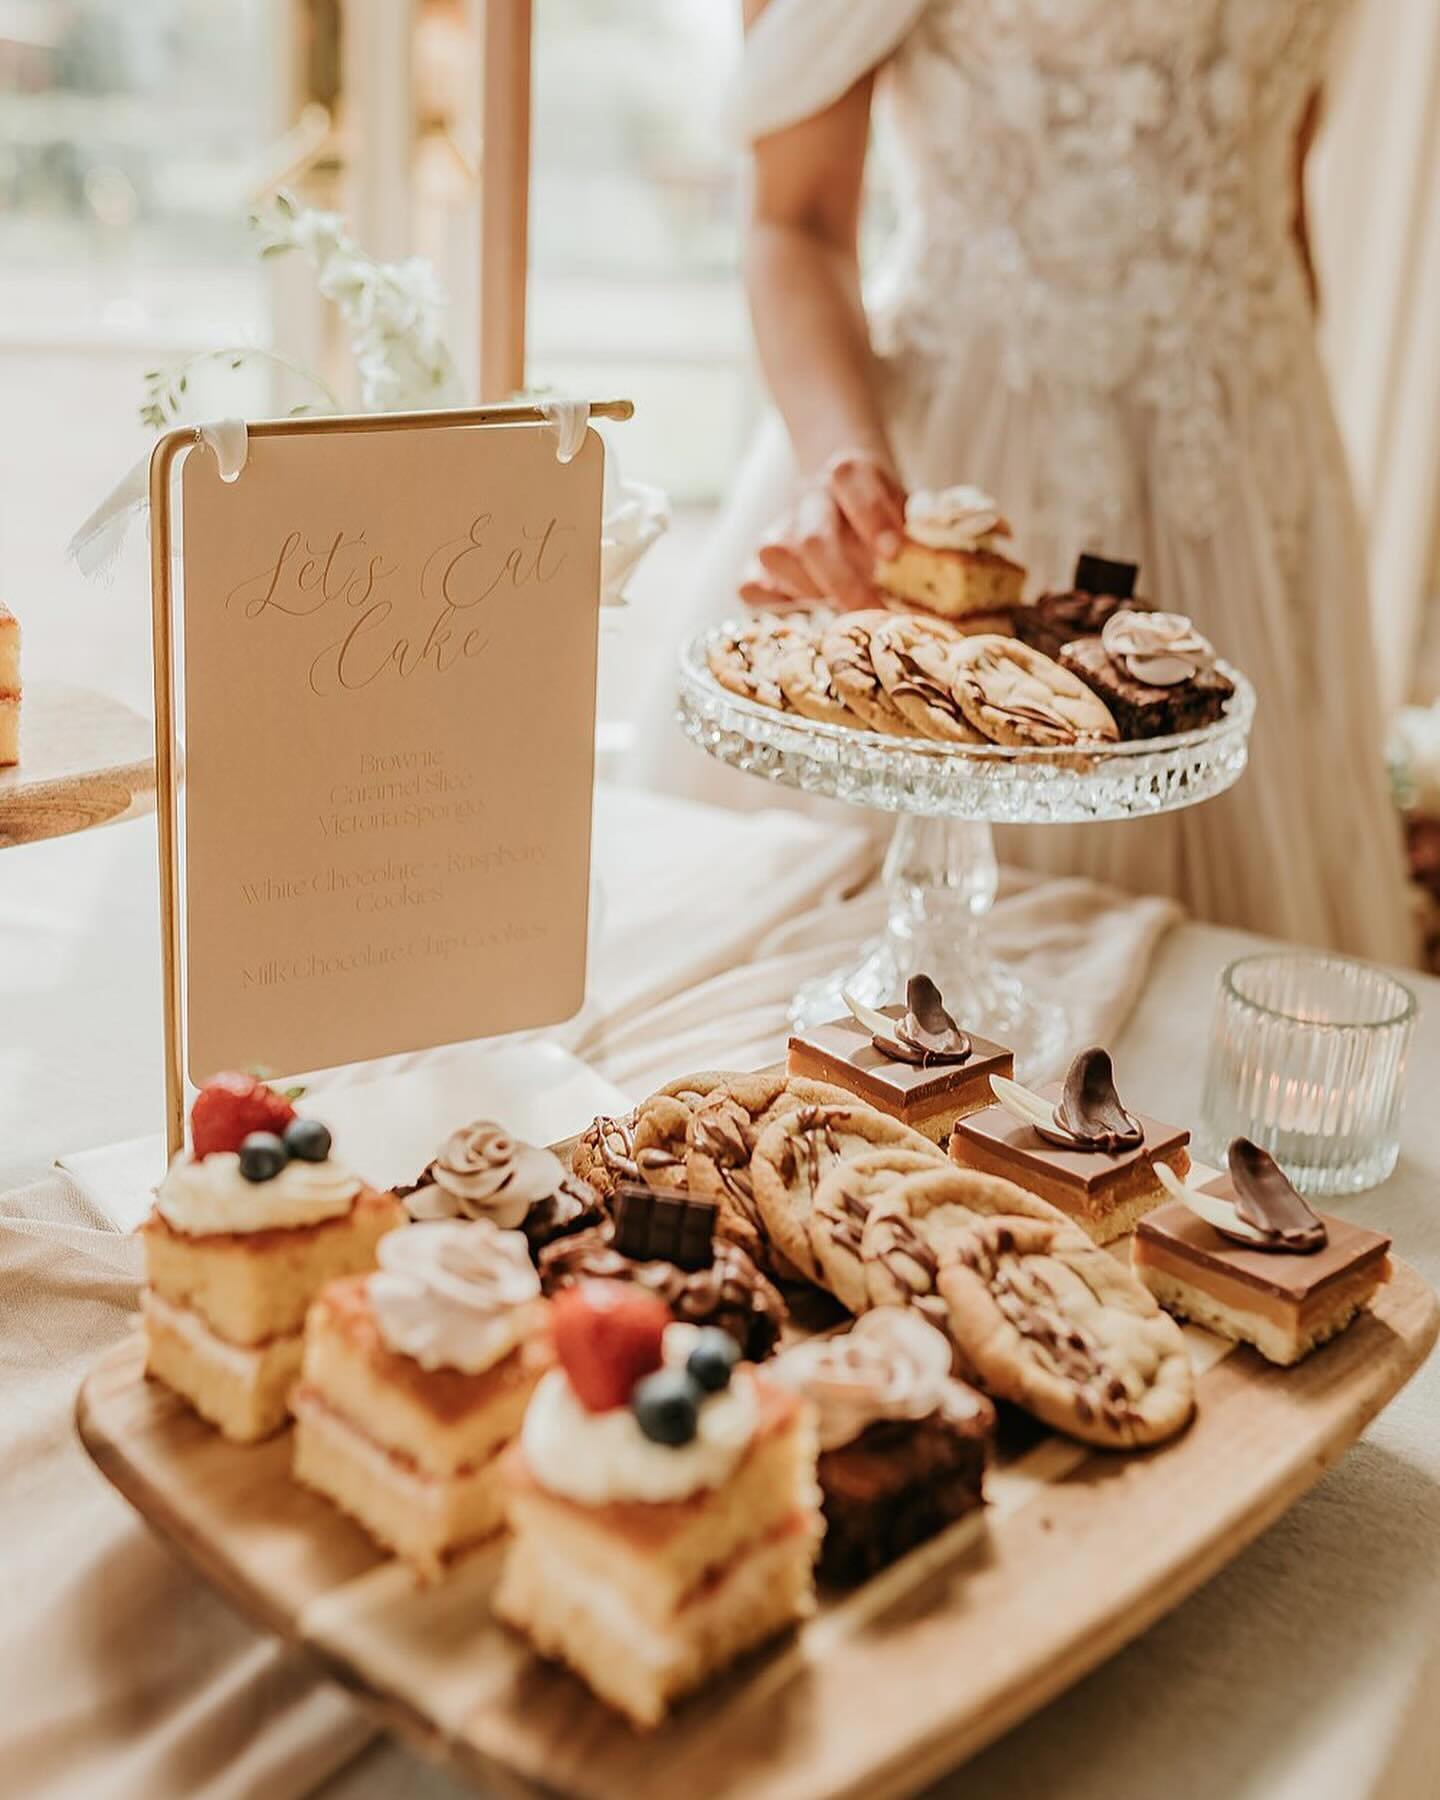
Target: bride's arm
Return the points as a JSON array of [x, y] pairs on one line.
[[802, 277]]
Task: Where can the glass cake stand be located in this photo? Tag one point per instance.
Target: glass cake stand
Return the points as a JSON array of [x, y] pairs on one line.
[[940, 872]]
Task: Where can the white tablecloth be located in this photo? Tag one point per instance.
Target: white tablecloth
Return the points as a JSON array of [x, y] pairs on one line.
[[1296, 1671]]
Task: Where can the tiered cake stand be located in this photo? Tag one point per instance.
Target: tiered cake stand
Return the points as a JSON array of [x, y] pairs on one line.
[[940, 872]]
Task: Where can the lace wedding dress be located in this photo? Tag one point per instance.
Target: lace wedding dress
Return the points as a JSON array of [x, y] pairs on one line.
[[1096, 310]]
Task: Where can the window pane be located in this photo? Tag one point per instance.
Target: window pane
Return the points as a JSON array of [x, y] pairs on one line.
[[634, 286]]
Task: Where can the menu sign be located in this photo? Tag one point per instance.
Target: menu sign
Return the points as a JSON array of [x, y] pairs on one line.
[[389, 705]]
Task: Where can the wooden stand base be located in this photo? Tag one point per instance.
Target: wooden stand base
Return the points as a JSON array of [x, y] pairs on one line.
[[85, 760]]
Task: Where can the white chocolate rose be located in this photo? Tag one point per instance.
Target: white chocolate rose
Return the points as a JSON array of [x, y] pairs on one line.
[[1160, 649], [889, 1365], [956, 518], [482, 1172], [452, 1295]]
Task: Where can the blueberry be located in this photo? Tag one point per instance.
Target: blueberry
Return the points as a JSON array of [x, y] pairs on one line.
[[262, 1156], [307, 1140], [710, 1362], [667, 1407]]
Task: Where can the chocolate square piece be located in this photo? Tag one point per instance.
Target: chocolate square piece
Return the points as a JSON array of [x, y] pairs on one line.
[[928, 1098], [1142, 711], [652, 1226], [1103, 1191], [1098, 575], [1055, 620]]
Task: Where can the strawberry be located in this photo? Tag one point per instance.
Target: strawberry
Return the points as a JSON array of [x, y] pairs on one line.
[[229, 1107], [608, 1336]]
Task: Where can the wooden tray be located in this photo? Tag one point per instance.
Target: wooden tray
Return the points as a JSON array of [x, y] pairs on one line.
[[882, 1691], [85, 760]]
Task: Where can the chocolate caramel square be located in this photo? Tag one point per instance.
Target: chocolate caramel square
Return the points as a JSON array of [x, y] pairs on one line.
[[928, 1098], [1103, 1191], [1284, 1302]]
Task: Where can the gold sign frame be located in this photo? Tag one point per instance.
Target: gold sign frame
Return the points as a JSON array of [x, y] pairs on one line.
[[163, 459]]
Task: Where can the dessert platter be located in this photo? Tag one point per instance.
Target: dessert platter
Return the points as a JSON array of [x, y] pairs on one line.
[[959, 706], [796, 1433]]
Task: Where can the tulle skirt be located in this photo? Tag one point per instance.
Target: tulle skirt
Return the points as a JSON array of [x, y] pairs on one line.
[[1307, 845]]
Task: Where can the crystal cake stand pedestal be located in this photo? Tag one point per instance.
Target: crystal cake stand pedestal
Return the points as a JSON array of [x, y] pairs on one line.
[[940, 873]]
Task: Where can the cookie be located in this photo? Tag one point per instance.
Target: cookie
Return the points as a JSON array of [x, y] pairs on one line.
[[911, 1223], [1043, 1317], [845, 645], [807, 682], [1014, 695], [605, 1152], [744, 659], [794, 1154], [914, 659], [843, 1204], [724, 1130]]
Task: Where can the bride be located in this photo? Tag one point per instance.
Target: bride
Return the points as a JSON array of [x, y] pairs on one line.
[[1099, 308]]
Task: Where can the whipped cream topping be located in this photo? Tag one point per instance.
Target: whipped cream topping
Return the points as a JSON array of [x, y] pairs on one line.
[[1160, 649], [210, 1196], [598, 1457], [481, 1172], [453, 1295], [889, 1365], [955, 518]]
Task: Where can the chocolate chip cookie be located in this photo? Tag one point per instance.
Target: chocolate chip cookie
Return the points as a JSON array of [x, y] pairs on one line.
[[845, 646], [794, 1154], [1042, 1316], [1012, 694], [915, 660]]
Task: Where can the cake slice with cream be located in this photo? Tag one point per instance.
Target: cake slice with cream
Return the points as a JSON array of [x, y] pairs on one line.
[[663, 1502], [9, 686], [415, 1379], [956, 556], [247, 1227]]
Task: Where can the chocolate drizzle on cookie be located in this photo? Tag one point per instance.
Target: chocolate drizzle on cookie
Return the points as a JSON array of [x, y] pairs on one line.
[[1266, 1200], [615, 1141], [812, 1142], [1028, 1301], [723, 1140], [920, 685], [1089, 1114]]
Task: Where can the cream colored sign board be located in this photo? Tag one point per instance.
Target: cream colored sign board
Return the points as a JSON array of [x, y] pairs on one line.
[[389, 665]]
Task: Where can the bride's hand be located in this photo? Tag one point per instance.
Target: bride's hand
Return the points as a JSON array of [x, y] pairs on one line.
[[826, 548]]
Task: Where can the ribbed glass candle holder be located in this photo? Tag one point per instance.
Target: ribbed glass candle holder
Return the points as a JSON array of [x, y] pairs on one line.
[[1307, 1057]]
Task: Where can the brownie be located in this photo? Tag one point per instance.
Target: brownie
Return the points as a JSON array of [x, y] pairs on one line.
[[896, 1485], [1055, 620], [1142, 711]]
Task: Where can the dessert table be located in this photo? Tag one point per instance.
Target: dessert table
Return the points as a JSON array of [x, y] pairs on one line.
[[1301, 1669]]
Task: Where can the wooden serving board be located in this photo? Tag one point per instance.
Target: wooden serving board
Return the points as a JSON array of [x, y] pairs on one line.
[[882, 1691], [85, 760]]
